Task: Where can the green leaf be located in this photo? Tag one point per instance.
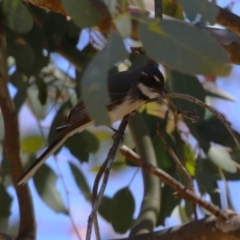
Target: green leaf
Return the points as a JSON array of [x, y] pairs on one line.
[[168, 203], [106, 208], [182, 83], [16, 16], [84, 14], [190, 162], [81, 144], [123, 209], [162, 156], [5, 203], [112, 6], [212, 130], [23, 53], [218, 93], [81, 182], [94, 80], [206, 9], [32, 143], [123, 24], [42, 91], [173, 9], [19, 98], [45, 182], [141, 5], [184, 48], [222, 158], [33, 103]]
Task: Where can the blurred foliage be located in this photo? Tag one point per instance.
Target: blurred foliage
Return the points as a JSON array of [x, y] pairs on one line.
[[33, 35]]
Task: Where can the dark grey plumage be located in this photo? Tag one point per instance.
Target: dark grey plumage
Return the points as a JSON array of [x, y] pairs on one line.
[[127, 90]]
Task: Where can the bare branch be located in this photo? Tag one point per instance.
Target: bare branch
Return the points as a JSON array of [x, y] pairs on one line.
[[208, 229], [173, 183], [118, 137]]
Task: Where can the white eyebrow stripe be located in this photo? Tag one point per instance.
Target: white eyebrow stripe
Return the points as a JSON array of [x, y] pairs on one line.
[[143, 73], [156, 78]]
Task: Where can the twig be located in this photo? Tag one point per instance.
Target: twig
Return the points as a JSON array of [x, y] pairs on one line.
[[175, 158], [118, 136], [182, 168], [173, 183], [200, 103]]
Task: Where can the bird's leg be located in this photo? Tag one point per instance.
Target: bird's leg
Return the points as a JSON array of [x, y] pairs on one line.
[[117, 132]]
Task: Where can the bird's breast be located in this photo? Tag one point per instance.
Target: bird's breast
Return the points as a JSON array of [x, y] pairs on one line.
[[126, 107]]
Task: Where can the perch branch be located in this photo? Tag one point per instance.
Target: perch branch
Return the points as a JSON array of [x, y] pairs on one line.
[[173, 183]]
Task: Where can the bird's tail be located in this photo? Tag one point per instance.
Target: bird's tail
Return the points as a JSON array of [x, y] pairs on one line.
[[38, 163]]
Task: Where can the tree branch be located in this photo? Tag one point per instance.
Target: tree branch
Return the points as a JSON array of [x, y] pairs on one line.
[[208, 229], [27, 220]]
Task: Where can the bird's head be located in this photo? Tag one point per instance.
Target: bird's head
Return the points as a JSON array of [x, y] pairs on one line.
[[151, 82]]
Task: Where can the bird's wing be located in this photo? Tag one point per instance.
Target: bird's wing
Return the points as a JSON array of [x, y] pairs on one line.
[[77, 121]]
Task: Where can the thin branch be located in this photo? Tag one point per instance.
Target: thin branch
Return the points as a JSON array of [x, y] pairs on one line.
[[177, 161], [200, 103], [173, 183], [208, 228], [118, 137], [182, 168]]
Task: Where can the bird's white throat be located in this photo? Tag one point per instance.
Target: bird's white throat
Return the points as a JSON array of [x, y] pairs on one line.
[[146, 91]]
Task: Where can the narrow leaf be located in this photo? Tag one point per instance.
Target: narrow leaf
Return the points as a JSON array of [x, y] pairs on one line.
[[94, 80], [16, 16], [222, 158], [45, 182], [184, 48], [83, 12], [32, 143], [123, 209], [187, 84], [205, 8], [81, 144], [81, 182]]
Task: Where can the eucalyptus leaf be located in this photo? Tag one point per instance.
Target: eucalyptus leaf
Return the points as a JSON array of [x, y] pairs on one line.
[[83, 12], [168, 203], [106, 208], [205, 8], [218, 93], [141, 4], [222, 158], [82, 144], [5, 202], [123, 209], [187, 84], [36, 107], [123, 24], [32, 143], [184, 48], [45, 182], [16, 16], [94, 79], [81, 182]]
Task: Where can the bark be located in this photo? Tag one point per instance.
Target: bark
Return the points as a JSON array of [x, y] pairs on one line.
[[208, 229]]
